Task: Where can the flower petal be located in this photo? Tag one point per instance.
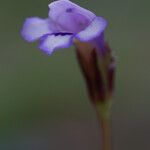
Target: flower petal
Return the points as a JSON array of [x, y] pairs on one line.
[[73, 22], [63, 6], [94, 30], [35, 28], [55, 41]]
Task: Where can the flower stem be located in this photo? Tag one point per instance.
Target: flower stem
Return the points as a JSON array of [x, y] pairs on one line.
[[103, 111], [106, 139]]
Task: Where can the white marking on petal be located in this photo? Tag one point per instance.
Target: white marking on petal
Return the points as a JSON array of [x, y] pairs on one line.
[[52, 42]]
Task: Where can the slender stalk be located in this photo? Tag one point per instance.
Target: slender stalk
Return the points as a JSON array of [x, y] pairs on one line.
[[106, 135], [105, 126]]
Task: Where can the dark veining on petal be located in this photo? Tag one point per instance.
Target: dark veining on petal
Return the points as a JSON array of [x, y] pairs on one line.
[[69, 10], [55, 34], [62, 34]]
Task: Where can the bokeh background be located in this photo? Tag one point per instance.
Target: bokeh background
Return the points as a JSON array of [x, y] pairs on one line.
[[43, 100]]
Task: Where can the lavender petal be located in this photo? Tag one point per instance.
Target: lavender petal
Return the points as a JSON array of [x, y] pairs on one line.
[[94, 30], [49, 43], [35, 28], [66, 6]]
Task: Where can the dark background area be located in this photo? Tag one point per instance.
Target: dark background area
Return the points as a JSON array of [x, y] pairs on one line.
[[43, 100]]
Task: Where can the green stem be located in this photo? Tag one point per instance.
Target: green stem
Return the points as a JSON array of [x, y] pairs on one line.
[[103, 113], [106, 135]]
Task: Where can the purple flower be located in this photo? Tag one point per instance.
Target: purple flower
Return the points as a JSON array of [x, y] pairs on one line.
[[66, 22]]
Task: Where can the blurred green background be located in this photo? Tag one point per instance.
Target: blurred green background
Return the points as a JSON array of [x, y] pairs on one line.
[[43, 100]]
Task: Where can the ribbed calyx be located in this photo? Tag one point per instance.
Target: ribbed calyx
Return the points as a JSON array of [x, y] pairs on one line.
[[98, 70]]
